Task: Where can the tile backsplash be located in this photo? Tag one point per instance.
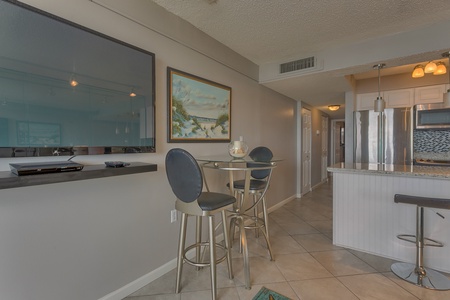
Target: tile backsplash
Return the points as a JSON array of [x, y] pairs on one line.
[[431, 144]]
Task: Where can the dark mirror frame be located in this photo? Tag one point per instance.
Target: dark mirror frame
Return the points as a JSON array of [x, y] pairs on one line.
[[109, 80]]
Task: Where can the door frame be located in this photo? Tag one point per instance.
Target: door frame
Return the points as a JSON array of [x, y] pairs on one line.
[[332, 141]]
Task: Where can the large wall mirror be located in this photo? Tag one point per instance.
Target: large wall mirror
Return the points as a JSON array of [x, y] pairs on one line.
[[67, 90]]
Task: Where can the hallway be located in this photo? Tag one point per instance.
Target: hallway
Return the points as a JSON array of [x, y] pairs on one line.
[[307, 266]]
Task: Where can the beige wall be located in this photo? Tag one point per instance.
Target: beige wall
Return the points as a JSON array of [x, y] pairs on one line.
[[86, 239]]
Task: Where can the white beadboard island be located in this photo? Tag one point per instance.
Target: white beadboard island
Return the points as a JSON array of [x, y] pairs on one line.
[[366, 218]]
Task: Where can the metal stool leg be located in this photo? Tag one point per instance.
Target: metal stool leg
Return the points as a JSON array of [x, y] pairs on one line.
[[212, 256], [417, 274], [227, 242], [181, 244]]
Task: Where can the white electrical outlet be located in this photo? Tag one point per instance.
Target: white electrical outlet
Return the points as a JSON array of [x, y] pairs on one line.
[[173, 215]]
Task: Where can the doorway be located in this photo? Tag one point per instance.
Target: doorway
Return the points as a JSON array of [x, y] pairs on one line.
[[337, 148]]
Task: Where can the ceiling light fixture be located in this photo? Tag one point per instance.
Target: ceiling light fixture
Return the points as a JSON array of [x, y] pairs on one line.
[[379, 103], [334, 107], [438, 68], [73, 82], [132, 93]]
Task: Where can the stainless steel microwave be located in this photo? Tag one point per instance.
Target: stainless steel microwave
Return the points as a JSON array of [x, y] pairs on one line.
[[432, 116]]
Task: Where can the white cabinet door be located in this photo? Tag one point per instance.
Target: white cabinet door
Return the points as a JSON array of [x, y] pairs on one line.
[[306, 151], [366, 101], [429, 94], [399, 98]]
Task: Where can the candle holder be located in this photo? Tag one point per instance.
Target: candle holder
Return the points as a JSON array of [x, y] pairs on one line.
[[238, 149]]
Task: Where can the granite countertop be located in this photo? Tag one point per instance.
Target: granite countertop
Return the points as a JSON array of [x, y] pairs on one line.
[[393, 170]]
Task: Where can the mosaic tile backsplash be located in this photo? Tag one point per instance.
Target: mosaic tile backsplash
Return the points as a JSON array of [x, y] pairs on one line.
[[433, 144]]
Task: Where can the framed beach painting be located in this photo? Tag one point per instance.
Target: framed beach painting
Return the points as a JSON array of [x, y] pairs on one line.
[[199, 110]]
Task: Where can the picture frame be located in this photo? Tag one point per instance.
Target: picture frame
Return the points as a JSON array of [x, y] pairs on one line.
[[38, 134], [199, 110]]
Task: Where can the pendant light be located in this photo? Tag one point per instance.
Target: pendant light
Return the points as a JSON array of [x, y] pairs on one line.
[[379, 103], [447, 95]]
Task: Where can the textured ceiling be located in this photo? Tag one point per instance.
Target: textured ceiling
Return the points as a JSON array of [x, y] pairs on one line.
[[267, 31]]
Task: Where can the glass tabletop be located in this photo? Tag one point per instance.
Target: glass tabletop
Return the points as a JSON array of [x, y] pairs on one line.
[[228, 158]]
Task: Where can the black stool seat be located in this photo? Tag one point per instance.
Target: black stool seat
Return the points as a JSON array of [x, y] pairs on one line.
[[416, 273], [423, 201]]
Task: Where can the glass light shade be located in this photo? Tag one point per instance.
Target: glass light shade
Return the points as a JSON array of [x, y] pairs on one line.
[[73, 81], [379, 104], [441, 69], [430, 67], [418, 72], [334, 107]]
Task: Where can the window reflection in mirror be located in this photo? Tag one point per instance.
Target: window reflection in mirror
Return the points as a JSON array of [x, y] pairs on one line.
[[66, 90]]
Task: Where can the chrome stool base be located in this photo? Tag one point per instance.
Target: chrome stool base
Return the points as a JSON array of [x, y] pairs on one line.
[[431, 279]]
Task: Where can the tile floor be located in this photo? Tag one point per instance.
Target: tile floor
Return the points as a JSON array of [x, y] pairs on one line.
[[307, 266]]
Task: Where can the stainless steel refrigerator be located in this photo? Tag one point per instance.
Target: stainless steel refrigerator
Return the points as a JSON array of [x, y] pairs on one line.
[[398, 133]]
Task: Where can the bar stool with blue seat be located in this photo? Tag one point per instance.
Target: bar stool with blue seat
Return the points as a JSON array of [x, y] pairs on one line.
[[186, 180], [417, 273], [259, 184]]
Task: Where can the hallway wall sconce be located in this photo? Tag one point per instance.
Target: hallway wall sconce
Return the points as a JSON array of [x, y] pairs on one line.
[[334, 107]]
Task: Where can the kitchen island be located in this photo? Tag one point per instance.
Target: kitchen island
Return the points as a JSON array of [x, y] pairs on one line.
[[366, 218]]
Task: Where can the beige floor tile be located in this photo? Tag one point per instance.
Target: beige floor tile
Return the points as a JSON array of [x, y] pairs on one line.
[[285, 245], [322, 226], [421, 293], [157, 297], [300, 266], [315, 242], [379, 263], [285, 216], [193, 280], [262, 271], [282, 288], [223, 294], [322, 289], [163, 285], [375, 287], [342, 262], [298, 228]]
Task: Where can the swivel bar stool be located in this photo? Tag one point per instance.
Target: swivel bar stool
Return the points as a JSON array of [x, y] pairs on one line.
[[259, 184], [418, 274], [186, 180]]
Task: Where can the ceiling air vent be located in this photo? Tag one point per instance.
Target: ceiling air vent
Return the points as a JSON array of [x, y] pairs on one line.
[[301, 64]]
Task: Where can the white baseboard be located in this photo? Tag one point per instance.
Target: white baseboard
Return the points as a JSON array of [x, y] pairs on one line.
[[141, 282], [155, 274]]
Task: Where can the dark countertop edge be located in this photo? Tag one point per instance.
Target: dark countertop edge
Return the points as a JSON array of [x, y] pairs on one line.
[[9, 180], [393, 170]]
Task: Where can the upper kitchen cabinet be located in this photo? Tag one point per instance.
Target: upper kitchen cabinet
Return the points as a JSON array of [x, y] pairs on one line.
[[429, 94], [399, 98], [365, 101], [395, 98]]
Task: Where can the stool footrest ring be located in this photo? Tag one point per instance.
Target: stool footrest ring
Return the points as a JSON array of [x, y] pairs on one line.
[[203, 264], [413, 239]]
